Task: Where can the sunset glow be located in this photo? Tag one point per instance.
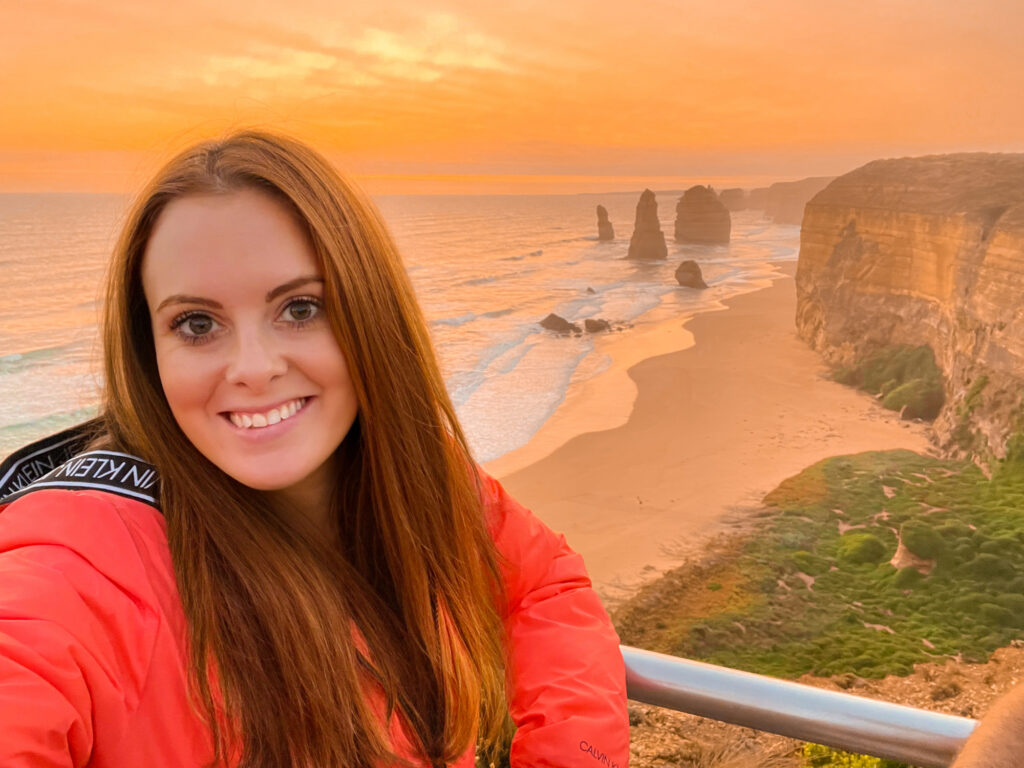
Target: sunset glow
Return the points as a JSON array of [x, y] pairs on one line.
[[458, 96]]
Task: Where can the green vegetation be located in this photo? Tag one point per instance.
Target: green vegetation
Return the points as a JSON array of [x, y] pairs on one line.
[[922, 539], [963, 435], [814, 590], [817, 756], [859, 548], [906, 378]]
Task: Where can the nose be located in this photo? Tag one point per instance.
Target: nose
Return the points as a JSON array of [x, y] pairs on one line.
[[256, 360]]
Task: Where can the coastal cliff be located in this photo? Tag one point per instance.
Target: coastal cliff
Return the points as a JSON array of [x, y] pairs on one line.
[[783, 202], [925, 251]]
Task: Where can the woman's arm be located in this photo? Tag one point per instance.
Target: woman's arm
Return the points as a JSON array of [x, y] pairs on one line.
[[998, 742], [74, 642], [567, 683]]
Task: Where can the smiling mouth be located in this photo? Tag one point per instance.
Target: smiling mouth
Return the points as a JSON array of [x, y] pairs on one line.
[[259, 420]]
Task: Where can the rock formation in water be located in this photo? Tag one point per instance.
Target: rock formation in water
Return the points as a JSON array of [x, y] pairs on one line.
[[559, 324], [784, 201], [604, 226], [648, 241], [735, 199], [596, 325], [701, 217], [926, 250], [688, 275]]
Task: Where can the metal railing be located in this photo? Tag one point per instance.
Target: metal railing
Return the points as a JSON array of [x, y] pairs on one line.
[[841, 720]]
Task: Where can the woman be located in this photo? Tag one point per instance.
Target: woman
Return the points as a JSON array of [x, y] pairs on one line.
[[328, 580]]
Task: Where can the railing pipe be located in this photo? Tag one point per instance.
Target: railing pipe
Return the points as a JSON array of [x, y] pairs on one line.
[[841, 720]]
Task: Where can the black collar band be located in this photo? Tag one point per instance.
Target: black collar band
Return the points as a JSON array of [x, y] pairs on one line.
[[58, 462]]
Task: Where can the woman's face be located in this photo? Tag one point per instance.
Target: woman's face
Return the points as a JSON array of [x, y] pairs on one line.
[[248, 362]]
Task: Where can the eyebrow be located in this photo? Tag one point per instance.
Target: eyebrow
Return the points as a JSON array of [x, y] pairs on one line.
[[291, 285], [273, 293]]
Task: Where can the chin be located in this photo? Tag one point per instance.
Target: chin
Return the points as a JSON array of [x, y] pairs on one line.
[[267, 482]]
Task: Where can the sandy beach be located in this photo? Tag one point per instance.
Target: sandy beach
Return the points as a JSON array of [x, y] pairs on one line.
[[696, 421]]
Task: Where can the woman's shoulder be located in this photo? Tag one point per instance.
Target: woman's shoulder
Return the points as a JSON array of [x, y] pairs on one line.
[[87, 537], [531, 554], [80, 618], [94, 519]]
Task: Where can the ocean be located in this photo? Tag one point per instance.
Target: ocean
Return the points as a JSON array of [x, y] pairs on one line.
[[486, 268]]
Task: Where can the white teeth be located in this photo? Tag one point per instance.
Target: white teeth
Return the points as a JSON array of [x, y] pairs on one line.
[[273, 416]]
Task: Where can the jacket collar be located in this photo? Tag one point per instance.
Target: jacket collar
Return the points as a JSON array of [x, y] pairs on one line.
[[60, 461]]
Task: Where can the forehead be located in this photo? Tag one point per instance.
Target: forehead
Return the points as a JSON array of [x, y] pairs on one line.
[[212, 243]]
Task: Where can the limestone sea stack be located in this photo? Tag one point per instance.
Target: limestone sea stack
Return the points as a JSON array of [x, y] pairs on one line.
[[926, 250], [701, 217], [735, 199], [648, 241], [604, 226], [688, 275]]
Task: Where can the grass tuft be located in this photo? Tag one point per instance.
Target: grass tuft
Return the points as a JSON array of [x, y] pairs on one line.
[[906, 378]]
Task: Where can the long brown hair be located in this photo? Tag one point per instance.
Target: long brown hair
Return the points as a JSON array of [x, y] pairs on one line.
[[288, 632]]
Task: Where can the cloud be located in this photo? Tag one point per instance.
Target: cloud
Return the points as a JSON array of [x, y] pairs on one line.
[[439, 43], [312, 72]]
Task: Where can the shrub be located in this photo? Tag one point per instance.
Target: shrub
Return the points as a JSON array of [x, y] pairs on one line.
[[917, 399], [954, 529], [988, 566], [1015, 448], [817, 756], [856, 547], [968, 603], [809, 563], [906, 578], [996, 615], [921, 539], [964, 553], [889, 386], [863, 662], [905, 377], [1001, 545]]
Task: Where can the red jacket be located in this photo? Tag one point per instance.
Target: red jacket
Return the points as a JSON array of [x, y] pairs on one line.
[[93, 658]]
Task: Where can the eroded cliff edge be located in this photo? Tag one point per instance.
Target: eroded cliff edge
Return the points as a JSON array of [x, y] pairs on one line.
[[926, 250]]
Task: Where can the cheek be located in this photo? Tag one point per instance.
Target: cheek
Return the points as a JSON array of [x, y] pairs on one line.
[[338, 373], [185, 383]]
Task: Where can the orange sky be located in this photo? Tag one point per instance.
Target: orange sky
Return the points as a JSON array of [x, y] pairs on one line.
[[560, 95]]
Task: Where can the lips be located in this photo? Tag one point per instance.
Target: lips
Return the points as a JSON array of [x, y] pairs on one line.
[[267, 418]]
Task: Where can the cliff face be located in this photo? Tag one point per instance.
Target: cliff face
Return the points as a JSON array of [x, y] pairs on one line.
[[925, 250], [783, 202]]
